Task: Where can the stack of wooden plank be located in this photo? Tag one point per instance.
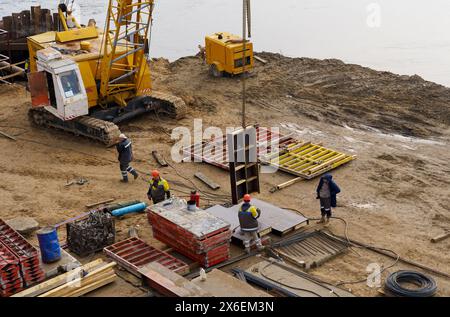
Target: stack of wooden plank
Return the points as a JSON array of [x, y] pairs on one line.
[[10, 280], [75, 283], [27, 255], [198, 234]]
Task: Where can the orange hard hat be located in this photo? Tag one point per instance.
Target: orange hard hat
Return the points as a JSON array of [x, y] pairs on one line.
[[247, 198], [155, 174]]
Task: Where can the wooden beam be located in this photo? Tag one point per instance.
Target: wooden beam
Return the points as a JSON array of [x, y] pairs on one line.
[[80, 282], [259, 59], [441, 237], [286, 184], [3, 133], [205, 179], [57, 281], [161, 161], [100, 203]]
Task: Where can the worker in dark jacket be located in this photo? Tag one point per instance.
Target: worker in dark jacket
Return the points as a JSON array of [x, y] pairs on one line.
[[248, 215], [159, 188], [125, 150], [326, 192]]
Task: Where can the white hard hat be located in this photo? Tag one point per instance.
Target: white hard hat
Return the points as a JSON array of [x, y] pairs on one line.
[[122, 136]]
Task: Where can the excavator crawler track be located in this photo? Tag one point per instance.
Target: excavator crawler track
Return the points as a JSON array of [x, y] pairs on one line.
[[100, 130], [171, 105]]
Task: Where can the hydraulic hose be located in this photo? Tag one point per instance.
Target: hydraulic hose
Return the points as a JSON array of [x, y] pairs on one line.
[[427, 285]]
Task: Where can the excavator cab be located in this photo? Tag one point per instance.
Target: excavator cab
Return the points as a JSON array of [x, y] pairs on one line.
[[58, 86]]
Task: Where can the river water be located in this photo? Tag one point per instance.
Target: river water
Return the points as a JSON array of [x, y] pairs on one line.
[[402, 36]]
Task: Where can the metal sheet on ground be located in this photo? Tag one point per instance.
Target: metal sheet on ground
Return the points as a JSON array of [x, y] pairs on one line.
[[281, 220], [280, 276], [231, 217], [221, 284]]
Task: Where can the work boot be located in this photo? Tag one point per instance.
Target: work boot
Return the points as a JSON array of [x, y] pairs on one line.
[[124, 180], [135, 174], [322, 220], [327, 222]]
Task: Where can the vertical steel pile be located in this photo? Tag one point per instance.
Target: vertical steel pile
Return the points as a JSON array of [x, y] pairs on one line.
[[27, 255], [197, 235]]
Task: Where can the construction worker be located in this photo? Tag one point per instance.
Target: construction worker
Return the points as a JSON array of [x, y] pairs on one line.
[[71, 21], [125, 150], [326, 192], [248, 216], [159, 188], [202, 53]]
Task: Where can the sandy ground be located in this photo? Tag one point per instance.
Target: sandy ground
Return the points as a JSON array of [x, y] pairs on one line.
[[396, 195]]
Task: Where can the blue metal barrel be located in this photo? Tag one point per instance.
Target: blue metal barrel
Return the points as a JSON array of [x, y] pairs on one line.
[[49, 245], [129, 209]]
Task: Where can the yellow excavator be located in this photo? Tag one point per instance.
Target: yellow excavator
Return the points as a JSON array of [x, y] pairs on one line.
[[86, 80]]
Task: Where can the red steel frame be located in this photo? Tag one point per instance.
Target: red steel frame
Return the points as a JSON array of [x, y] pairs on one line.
[[203, 152], [27, 255], [134, 253]]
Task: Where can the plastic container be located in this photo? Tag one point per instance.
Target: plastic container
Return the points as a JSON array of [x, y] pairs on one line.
[[191, 205]]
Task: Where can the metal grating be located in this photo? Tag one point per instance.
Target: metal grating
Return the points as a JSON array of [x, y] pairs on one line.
[[310, 250]]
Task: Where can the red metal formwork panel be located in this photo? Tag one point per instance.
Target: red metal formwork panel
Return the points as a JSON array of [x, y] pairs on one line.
[[11, 281], [27, 255], [215, 152], [218, 254], [158, 221], [187, 240], [134, 253]]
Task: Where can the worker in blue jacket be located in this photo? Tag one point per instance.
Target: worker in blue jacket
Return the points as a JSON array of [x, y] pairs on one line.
[[125, 150], [326, 192]]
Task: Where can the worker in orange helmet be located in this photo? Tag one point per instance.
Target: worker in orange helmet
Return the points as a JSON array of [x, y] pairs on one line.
[[248, 215], [159, 188]]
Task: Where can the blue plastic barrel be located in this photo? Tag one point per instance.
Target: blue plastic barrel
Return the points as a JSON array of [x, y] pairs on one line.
[[49, 245], [129, 209]]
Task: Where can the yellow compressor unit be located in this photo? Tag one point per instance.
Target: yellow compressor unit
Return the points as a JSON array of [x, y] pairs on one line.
[[225, 54]]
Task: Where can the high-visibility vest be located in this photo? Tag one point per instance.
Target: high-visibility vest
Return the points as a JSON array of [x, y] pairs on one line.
[[247, 218], [158, 192]]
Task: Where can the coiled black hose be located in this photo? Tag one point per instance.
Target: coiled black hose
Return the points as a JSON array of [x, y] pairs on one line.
[[427, 286]]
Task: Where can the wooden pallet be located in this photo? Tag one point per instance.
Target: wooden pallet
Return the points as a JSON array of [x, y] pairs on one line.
[[307, 160]]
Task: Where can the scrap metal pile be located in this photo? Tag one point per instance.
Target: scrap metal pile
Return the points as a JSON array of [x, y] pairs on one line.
[[19, 262], [91, 234], [197, 235]]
